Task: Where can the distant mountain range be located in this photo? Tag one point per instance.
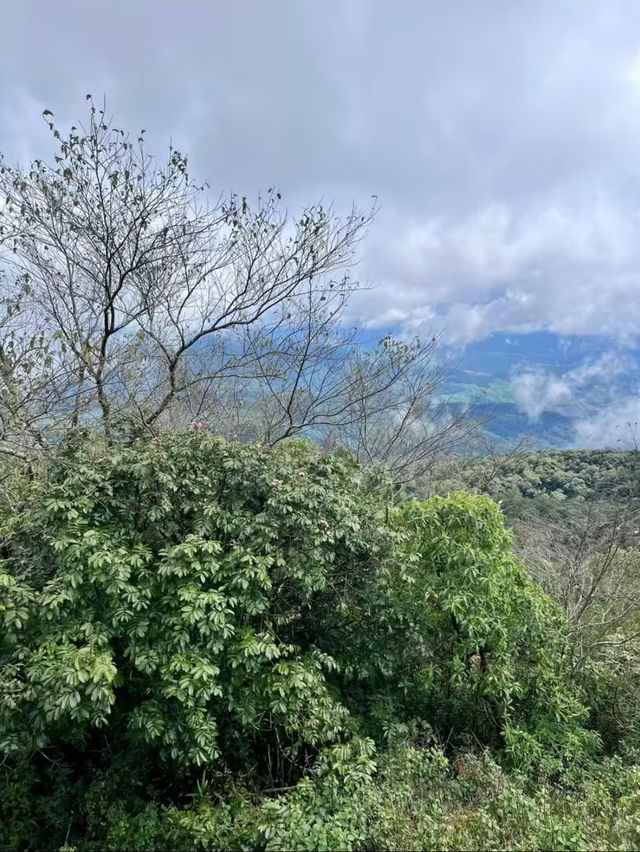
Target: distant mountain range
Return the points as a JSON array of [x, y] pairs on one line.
[[562, 391]]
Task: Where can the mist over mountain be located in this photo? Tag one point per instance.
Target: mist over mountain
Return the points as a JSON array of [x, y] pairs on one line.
[[565, 391]]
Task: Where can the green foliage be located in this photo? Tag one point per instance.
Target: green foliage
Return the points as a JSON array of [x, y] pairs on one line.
[[452, 630], [546, 483], [423, 801], [575, 516], [211, 646], [498, 639], [155, 602], [163, 588]]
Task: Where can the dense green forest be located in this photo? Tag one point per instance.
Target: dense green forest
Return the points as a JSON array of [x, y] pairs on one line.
[[216, 646], [547, 482], [250, 596]]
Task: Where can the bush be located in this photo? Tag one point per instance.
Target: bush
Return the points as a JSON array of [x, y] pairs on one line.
[[210, 646], [452, 630], [421, 800]]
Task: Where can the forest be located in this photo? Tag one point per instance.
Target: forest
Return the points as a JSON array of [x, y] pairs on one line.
[[252, 598]]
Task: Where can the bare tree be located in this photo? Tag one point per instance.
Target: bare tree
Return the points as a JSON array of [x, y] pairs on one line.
[[144, 282], [406, 426], [589, 563], [151, 303]]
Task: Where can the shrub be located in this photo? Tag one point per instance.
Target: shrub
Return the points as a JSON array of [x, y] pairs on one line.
[[210, 646], [452, 630]]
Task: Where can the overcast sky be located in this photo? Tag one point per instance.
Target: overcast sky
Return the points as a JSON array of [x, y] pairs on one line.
[[501, 138]]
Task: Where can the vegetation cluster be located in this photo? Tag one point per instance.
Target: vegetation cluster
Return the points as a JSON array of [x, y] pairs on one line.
[[225, 624], [209, 645]]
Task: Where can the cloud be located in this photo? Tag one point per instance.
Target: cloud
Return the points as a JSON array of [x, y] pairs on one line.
[[571, 268], [501, 143], [22, 132], [536, 391], [614, 426], [605, 369]]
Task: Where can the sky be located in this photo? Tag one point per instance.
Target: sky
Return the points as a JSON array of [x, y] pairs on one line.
[[501, 138]]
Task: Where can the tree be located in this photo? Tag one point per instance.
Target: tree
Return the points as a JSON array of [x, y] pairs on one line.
[[589, 564], [145, 301]]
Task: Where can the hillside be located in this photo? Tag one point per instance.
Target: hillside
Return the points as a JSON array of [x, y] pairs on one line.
[[543, 476], [561, 391]]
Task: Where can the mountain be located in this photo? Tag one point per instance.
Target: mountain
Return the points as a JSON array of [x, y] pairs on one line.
[[561, 390]]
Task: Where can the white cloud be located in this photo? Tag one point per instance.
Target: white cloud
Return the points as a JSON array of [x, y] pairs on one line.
[[569, 268], [615, 426], [606, 368], [536, 391], [502, 142]]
